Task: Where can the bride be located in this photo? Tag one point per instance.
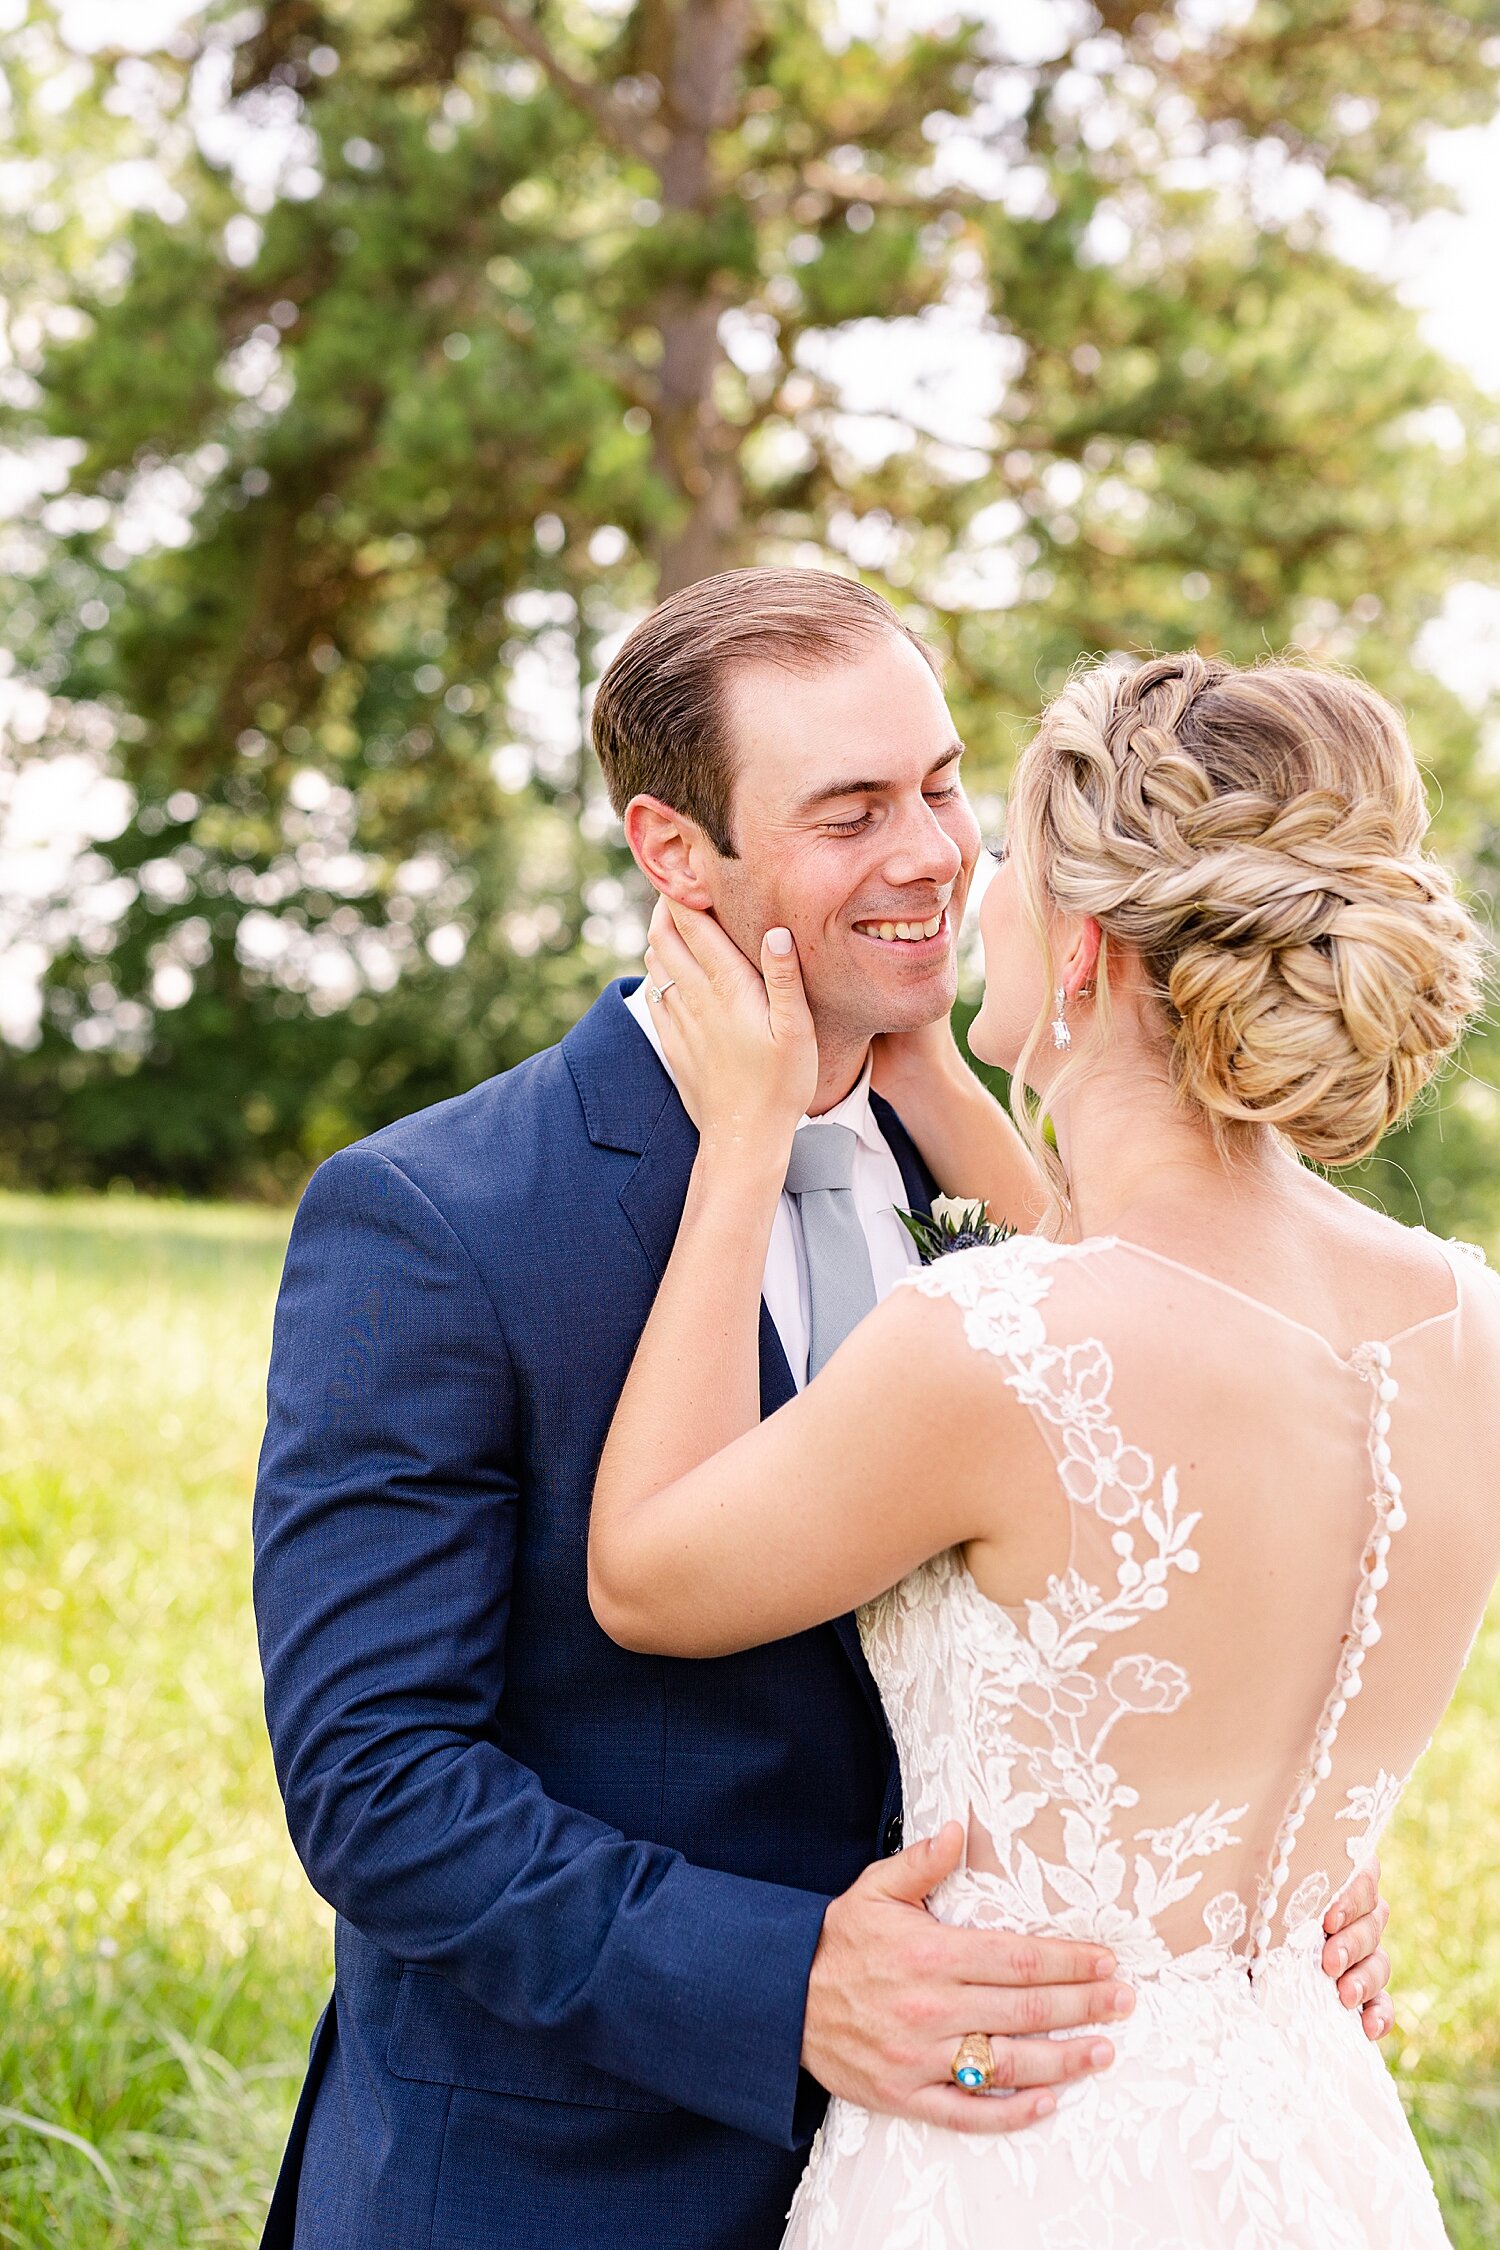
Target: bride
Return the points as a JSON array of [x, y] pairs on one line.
[[1169, 1522]]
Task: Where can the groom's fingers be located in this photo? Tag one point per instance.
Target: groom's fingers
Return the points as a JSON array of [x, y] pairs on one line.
[[1357, 1958], [1023, 2063], [1023, 2008], [1000, 1957], [1360, 1896], [982, 2113], [1352, 1950]]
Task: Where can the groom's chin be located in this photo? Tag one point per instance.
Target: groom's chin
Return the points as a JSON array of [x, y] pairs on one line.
[[908, 1002]]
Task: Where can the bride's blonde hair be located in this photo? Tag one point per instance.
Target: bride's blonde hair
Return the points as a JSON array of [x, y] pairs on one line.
[[1256, 838]]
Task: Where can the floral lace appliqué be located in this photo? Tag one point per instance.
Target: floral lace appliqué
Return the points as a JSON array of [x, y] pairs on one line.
[[1204, 2130], [1037, 1671]]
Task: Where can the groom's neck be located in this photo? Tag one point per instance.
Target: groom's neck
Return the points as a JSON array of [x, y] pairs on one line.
[[841, 1063]]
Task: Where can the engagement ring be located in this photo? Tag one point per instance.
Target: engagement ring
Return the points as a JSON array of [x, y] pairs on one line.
[[660, 991]]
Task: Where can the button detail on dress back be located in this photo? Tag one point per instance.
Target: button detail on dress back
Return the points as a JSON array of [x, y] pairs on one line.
[[1371, 1363]]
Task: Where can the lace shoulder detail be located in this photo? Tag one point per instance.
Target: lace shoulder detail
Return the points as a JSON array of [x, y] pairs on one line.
[[1468, 1249], [1000, 1289]]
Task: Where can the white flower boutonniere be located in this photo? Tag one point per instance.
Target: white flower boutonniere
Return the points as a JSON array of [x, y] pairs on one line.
[[957, 1222]]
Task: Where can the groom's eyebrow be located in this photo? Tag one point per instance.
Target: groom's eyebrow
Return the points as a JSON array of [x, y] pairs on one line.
[[856, 788]]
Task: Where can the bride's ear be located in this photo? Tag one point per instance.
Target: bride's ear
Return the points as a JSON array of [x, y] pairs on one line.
[[670, 850], [1080, 963]]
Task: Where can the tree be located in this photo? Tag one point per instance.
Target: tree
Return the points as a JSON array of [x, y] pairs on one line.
[[553, 308]]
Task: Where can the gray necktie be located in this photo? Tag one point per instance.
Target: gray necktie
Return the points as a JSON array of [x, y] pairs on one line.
[[841, 1283]]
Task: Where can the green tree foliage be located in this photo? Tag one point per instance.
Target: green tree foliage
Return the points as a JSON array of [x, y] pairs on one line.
[[554, 306]]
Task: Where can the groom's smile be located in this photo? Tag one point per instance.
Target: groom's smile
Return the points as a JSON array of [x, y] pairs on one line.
[[781, 753], [851, 827], [908, 933]]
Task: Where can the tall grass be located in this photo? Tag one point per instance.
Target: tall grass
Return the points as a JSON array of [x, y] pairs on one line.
[[161, 1957]]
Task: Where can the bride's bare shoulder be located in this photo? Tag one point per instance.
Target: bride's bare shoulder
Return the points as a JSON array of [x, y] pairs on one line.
[[1401, 1262]]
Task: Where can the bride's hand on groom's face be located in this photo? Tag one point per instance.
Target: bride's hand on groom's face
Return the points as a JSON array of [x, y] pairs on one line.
[[739, 1036]]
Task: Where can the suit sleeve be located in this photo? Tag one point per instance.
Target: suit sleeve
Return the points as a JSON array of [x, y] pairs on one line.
[[385, 1523]]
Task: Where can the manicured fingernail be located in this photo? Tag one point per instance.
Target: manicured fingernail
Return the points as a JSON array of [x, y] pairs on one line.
[[1335, 1920], [1123, 2001], [1340, 1959], [779, 941], [1104, 1966], [1045, 2105], [1100, 2055]]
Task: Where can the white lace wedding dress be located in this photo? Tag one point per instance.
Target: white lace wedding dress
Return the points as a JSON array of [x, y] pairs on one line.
[[1272, 1559]]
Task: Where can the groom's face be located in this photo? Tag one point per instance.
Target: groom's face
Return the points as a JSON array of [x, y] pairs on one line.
[[852, 829]]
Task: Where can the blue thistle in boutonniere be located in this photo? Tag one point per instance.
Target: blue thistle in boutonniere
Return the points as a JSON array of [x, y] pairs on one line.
[[956, 1222]]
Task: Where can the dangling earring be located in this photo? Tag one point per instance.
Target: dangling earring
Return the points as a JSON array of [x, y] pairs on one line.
[[1062, 1037]]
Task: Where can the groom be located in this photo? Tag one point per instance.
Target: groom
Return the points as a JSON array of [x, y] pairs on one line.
[[608, 1925]]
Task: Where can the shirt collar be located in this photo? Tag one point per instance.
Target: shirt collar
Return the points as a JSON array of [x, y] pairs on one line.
[[853, 1111]]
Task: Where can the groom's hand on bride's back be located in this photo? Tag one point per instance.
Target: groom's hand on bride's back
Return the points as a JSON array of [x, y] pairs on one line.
[[1353, 1954], [893, 1991]]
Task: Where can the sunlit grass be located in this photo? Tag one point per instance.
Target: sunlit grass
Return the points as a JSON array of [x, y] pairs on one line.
[[161, 1957]]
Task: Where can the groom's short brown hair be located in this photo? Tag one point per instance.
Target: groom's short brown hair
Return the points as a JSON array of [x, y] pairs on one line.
[[660, 721]]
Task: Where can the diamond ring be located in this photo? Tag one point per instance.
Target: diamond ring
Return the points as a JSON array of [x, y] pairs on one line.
[[660, 991]]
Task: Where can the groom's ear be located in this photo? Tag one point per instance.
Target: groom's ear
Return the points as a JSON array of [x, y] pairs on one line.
[[671, 851]]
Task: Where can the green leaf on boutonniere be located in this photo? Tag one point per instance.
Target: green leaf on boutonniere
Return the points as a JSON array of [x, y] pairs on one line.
[[956, 1223]]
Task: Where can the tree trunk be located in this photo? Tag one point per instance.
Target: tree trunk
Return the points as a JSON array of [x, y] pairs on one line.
[[694, 49]]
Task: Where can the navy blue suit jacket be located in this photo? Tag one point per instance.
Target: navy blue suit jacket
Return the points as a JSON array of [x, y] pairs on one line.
[[577, 1890]]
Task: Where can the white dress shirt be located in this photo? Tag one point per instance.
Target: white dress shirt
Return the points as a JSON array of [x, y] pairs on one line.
[[877, 1188]]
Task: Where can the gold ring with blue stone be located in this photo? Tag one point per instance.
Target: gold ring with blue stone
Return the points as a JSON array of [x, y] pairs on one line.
[[974, 2064]]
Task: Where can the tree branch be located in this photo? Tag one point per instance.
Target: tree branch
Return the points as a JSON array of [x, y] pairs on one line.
[[594, 102], [871, 188]]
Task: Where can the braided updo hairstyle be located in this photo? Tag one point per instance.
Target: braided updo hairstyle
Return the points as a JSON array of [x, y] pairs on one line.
[[1256, 838]]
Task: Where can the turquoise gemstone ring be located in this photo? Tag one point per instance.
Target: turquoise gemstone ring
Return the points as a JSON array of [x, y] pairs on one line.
[[974, 2063]]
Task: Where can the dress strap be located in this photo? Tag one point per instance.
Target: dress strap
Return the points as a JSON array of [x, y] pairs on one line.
[[1372, 1363]]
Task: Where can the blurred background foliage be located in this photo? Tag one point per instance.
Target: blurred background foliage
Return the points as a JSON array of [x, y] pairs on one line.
[[444, 334]]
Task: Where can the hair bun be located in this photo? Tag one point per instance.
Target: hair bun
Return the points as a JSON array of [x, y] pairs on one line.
[[1256, 839], [1329, 1032]]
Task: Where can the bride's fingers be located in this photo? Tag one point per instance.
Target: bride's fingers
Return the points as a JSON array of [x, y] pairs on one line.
[[1378, 2017], [670, 961], [708, 941], [782, 971]]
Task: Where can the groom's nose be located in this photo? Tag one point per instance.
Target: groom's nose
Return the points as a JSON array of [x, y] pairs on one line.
[[919, 849]]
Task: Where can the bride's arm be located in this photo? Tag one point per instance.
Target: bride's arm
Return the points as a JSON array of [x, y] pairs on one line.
[[712, 1531], [745, 1058], [967, 1141], [881, 1462]]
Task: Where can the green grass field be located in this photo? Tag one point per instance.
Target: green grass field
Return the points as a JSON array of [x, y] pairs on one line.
[[161, 1958]]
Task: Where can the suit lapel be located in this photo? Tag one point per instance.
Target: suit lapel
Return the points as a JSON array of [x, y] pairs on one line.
[[919, 1183], [631, 1105]]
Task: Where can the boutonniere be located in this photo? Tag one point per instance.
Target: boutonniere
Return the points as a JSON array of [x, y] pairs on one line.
[[957, 1222]]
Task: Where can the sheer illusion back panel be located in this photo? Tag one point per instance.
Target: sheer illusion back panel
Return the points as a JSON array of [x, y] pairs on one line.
[[1279, 1554]]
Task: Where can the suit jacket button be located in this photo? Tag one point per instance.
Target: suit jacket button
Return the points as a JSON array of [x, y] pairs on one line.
[[890, 1842]]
